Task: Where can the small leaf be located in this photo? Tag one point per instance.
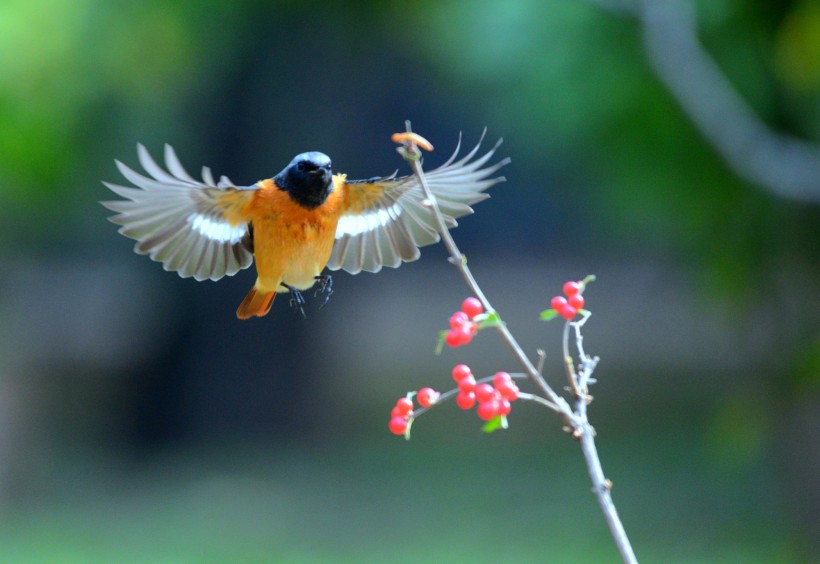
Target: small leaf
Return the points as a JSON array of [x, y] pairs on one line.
[[486, 320], [442, 335], [548, 314], [587, 279], [494, 424]]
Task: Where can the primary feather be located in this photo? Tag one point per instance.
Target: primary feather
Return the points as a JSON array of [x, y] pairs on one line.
[[179, 221], [392, 224]]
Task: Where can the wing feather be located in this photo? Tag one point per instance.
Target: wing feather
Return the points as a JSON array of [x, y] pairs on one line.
[[386, 222], [182, 222]]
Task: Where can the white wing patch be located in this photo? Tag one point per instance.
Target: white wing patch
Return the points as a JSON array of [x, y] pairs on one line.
[[178, 221], [395, 223], [216, 230], [352, 225]]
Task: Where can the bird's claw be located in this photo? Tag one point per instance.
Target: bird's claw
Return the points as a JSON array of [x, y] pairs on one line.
[[297, 301], [325, 288]]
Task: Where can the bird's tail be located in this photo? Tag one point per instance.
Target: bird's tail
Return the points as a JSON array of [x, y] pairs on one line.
[[257, 302]]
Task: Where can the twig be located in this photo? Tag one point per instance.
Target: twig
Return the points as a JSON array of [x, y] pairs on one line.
[[569, 364], [576, 421], [783, 164], [410, 152]]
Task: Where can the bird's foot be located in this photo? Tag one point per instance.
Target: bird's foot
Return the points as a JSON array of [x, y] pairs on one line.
[[325, 288], [297, 301]]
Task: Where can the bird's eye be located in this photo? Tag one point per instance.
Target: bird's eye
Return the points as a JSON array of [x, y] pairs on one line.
[[302, 166]]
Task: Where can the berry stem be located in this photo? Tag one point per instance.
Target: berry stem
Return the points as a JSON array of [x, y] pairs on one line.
[[569, 363], [537, 399], [449, 394], [578, 381]]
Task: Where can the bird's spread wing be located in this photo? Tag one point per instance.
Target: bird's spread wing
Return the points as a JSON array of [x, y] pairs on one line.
[[194, 228], [385, 222]]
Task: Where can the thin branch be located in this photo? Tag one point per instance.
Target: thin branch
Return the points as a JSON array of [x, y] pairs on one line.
[[588, 363], [540, 400], [602, 488], [783, 164], [569, 364], [449, 394], [586, 434], [542, 356], [457, 258], [577, 422]]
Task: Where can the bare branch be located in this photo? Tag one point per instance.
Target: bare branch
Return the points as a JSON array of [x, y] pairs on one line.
[[410, 152], [576, 422], [783, 164]]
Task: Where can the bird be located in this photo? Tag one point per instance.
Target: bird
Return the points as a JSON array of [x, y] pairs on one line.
[[292, 225]]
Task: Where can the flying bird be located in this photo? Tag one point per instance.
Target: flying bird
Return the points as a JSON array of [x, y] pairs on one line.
[[292, 225]]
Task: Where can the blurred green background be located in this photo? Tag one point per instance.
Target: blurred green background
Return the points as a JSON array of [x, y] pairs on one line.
[[141, 422]]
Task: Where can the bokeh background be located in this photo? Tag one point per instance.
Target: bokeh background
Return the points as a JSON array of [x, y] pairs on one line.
[[668, 147]]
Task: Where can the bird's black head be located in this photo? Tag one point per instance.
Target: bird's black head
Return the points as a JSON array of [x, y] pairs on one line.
[[307, 179]]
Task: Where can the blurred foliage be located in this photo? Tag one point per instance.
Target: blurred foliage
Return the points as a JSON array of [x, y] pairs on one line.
[[797, 48], [74, 74], [573, 78]]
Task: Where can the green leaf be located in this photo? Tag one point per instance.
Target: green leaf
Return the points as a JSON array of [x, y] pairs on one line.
[[486, 320], [494, 424], [440, 344], [589, 278], [407, 431], [548, 314]]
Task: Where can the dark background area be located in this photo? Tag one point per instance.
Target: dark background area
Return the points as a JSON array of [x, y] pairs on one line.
[[141, 421]]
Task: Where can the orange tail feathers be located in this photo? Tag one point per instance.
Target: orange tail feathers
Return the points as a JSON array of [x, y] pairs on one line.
[[257, 302]]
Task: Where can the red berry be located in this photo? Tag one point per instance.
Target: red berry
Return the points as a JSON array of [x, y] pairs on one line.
[[472, 307], [576, 301], [458, 319], [558, 302], [427, 397], [452, 339], [460, 335], [466, 384], [484, 392], [567, 312], [466, 332], [487, 410], [504, 407], [465, 400], [500, 378], [404, 406], [572, 288], [508, 390], [398, 425], [461, 371]]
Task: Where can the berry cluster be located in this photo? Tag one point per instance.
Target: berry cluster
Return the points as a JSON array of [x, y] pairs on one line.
[[491, 396], [403, 410], [493, 399], [463, 323], [568, 307]]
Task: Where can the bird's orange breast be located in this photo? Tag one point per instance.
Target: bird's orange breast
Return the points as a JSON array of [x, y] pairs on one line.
[[292, 243]]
